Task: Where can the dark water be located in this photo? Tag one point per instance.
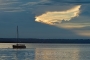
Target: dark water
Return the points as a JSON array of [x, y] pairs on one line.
[[46, 52]]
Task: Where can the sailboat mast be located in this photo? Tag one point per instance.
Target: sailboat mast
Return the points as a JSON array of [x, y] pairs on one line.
[[20, 46], [17, 35]]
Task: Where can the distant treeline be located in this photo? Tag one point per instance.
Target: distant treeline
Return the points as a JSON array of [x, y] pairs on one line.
[[32, 40]]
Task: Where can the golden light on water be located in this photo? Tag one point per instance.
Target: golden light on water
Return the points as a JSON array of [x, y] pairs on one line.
[[56, 54]]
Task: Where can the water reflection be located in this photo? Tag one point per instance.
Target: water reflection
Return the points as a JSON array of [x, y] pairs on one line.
[[20, 54], [56, 54], [47, 52]]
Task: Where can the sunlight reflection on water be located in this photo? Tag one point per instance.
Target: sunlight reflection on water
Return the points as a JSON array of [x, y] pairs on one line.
[[46, 52], [56, 54]]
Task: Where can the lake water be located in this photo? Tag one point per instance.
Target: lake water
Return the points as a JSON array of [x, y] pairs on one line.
[[45, 52]]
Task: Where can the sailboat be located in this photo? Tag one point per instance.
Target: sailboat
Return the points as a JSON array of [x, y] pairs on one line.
[[18, 46]]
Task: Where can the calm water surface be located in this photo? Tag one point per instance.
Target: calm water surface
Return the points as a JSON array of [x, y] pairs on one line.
[[45, 52]]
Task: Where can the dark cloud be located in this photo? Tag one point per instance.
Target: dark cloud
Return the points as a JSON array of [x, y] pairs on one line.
[[71, 1], [30, 28], [78, 1]]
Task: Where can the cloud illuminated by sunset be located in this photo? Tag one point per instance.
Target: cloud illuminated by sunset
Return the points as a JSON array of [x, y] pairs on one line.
[[83, 32], [56, 17]]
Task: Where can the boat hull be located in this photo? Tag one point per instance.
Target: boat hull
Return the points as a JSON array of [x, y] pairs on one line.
[[19, 46]]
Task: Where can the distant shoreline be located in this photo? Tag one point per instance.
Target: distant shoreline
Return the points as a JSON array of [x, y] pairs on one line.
[[51, 41]]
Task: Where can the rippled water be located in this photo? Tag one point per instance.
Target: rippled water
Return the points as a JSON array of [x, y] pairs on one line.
[[46, 52], [12, 54]]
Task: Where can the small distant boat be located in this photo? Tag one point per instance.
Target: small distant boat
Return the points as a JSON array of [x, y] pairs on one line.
[[18, 46]]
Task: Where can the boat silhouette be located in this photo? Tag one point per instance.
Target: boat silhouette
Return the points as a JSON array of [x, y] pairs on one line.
[[18, 46]]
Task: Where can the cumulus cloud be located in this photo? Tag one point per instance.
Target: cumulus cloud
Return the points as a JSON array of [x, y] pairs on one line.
[[63, 19], [55, 17]]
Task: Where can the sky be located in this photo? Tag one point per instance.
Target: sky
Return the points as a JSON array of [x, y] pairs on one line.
[[47, 19]]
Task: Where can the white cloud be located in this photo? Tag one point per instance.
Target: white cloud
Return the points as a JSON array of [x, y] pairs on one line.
[[55, 17]]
